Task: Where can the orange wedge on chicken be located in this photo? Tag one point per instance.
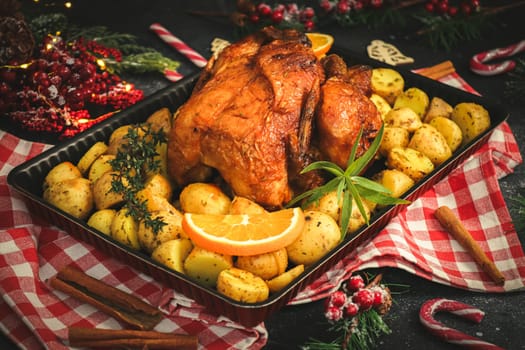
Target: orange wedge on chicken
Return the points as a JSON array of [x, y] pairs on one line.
[[244, 234], [321, 43]]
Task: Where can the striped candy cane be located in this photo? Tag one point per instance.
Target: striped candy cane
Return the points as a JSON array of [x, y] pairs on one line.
[[173, 75], [179, 45], [453, 336], [478, 66]]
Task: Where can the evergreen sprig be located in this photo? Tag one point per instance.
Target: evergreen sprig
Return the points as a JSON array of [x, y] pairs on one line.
[[349, 184], [358, 333], [447, 32], [134, 160]]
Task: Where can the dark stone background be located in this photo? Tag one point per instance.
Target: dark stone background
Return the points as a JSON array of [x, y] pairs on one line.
[[292, 326]]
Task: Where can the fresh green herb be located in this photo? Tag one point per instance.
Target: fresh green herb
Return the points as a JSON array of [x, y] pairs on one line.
[[349, 185], [134, 160]]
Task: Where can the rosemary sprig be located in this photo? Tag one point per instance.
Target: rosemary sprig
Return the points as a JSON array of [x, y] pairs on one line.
[[141, 63], [134, 159], [349, 184]]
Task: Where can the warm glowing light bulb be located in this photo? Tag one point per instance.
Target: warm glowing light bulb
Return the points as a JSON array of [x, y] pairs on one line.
[[68, 4], [101, 63], [128, 87], [24, 65]]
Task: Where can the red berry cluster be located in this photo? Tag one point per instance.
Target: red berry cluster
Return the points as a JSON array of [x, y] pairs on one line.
[[354, 298], [279, 14], [345, 7], [452, 8], [52, 92]]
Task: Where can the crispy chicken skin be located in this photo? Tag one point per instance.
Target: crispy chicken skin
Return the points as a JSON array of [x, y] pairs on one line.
[[242, 113], [344, 108], [253, 114]]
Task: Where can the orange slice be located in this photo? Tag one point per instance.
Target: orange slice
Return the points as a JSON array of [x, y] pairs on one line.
[[321, 43], [244, 234]]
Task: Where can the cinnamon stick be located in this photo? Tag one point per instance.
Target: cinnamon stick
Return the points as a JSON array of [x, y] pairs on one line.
[[454, 226], [438, 71], [123, 306], [109, 338]]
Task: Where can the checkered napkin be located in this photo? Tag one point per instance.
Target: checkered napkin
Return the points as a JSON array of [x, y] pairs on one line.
[[416, 242], [31, 251]]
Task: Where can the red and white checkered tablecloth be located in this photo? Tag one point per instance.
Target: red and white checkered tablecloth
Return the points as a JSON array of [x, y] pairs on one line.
[[31, 251]]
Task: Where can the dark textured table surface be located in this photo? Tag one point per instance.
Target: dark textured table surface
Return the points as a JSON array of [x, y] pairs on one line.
[[292, 326]]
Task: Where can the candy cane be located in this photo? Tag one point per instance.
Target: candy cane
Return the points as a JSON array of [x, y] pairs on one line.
[[173, 75], [478, 66], [179, 45], [426, 316]]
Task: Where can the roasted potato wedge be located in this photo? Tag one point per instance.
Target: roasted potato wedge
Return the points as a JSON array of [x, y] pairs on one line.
[[396, 181], [102, 219], [90, 156], [437, 108], [173, 253], [150, 240], [393, 136], [61, 172], [387, 83], [242, 205], [414, 98], [284, 279], [100, 166], [403, 117], [266, 266], [74, 196], [450, 131], [381, 104], [429, 141], [321, 233], [242, 286], [124, 229], [472, 119], [204, 266], [204, 198], [103, 194], [409, 161]]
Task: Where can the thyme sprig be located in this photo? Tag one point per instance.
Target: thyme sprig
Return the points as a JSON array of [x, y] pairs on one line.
[[349, 184], [134, 160]]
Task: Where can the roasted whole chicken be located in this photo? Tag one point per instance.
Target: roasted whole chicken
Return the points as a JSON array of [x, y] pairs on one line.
[[264, 109]]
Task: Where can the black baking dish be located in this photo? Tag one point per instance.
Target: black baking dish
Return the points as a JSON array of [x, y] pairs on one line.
[[28, 177]]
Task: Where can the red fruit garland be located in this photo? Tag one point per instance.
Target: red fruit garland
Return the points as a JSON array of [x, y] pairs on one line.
[[357, 305], [52, 92]]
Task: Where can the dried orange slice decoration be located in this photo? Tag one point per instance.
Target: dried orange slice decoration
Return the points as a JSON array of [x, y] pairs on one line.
[[321, 43], [244, 234]]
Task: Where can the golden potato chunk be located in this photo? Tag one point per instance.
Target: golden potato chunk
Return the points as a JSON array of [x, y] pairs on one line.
[[472, 119], [415, 99], [429, 141], [173, 253], [172, 229], [102, 219], [204, 266], [320, 234], [74, 196], [124, 229], [394, 180], [100, 166], [387, 83], [393, 136], [204, 198], [381, 104], [409, 161], [284, 279], [242, 286], [450, 131], [437, 108], [267, 265], [60, 172], [90, 156], [403, 117]]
